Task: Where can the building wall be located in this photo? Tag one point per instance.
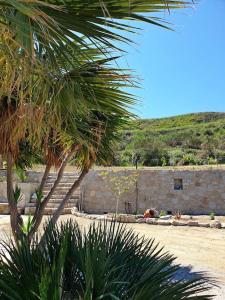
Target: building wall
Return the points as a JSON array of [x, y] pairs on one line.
[[28, 186], [203, 191]]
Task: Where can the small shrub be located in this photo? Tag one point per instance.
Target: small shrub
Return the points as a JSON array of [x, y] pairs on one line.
[[212, 216], [162, 213]]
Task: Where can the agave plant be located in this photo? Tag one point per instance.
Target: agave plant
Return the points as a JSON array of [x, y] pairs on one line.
[[107, 261]]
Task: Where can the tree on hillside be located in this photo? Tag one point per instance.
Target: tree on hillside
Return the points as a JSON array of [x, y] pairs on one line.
[[56, 93]]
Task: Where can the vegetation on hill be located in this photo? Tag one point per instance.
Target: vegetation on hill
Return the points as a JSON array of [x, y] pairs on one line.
[[192, 139]]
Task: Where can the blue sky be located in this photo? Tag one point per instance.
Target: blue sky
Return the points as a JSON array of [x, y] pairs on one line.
[[181, 71]]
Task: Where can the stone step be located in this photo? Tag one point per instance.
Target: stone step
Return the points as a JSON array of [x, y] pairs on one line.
[[61, 184], [56, 200], [60, 197], [48, 211], [65, 184], [65, 175], [55, 205], [70, 181], [71, 174], [61, 192]]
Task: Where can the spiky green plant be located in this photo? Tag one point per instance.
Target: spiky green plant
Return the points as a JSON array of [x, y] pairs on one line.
[[107, 261]]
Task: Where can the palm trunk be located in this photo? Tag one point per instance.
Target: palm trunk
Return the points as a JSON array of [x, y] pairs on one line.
[[39, 211], [15, 219], [1, 162], [67, 197], [45, 176]]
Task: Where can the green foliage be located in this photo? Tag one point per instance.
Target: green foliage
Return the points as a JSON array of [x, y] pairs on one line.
[[212, 216], [119, 182], [193, 139], [106, 262], [39, 195], [17, 194], [21, 173], [27, 225], [162, 213]]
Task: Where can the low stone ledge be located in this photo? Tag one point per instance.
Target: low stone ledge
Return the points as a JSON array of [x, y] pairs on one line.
[[123, 218], [151, 221], [193, 223], [178, 223], [163, 222], [143, 220], [206, 225], [126, 218]]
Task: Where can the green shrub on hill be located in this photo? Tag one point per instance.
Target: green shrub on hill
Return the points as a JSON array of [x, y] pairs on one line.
[[193, 139]]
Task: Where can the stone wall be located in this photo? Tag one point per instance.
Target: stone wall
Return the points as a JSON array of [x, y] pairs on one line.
[[28, 186], [202, 191]]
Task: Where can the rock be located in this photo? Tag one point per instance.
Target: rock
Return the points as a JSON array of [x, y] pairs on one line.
[[76, 213], [103, 217], [151, 213], [74, 210], [178, 223], [222, 225], [192, 223], [139, 216], [163, 222], [142, 220], [204, 225], [167, 217], [215, 224], [126, 218], [151, 221]]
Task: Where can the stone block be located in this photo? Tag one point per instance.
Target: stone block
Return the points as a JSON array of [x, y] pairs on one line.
[[92, 193], [215, 224], [74, 210], [192, 223], [204, 225], [4, 209], [142, 220], [139, 216], [151, 221], [126, 218], [163, 222], [178, 223], [167, 217], [29, 210]]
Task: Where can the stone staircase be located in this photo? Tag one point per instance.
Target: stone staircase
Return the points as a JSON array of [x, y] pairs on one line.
[[57, 197]]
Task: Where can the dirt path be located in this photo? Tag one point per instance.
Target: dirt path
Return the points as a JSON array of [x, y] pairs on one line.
[[199, 249]]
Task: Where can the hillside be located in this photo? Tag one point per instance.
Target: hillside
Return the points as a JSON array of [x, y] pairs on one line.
[[192, 139]]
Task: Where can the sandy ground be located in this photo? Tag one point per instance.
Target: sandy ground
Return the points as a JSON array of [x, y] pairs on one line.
[[196, 249]]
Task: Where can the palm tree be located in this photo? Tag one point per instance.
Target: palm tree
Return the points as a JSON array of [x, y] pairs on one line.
[[52, 73]]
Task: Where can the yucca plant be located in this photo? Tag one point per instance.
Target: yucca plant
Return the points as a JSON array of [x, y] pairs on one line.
[[108, 261]]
